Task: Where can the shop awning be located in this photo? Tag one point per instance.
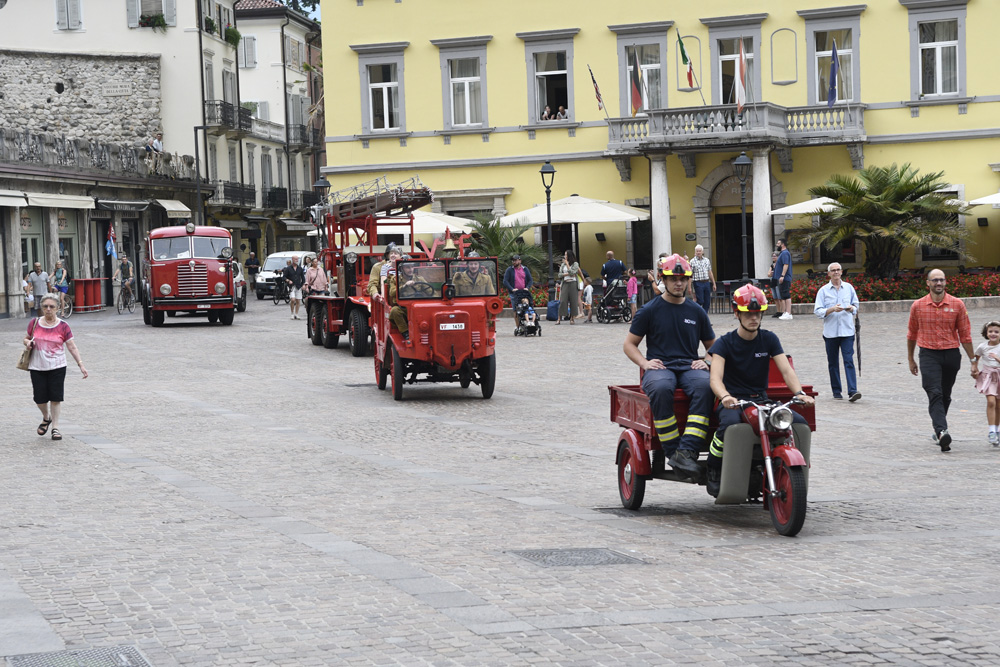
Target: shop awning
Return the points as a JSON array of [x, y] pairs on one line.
[[60, 201], [133, 206], [234, 224], [12, 199], [174, 208], [295, 225]]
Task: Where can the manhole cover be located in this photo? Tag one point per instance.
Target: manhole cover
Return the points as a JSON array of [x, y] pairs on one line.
[[575, 557], [116, 656]]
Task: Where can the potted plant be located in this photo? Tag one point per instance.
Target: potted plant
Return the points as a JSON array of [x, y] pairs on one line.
[[154, 21], [233, 36], [209, 25]]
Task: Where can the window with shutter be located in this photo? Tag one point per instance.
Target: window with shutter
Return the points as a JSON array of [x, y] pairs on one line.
[[281, 173], [209, 81], [250, 166], [233, 178], [213, 163], [228, 87], [68, 15], [293, 181], [263, 111], [132, 13]]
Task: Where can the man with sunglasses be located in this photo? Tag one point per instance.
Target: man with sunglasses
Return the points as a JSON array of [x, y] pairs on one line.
[[938, 324]]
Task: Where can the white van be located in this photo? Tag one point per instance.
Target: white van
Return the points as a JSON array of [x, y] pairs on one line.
[[274, 265]]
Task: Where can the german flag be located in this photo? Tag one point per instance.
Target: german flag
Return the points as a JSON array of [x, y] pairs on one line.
[[635, 80]]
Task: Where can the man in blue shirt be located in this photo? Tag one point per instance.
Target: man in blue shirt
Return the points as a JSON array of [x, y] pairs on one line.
[[783, 274], [836, 305], [611, 271], [673, 328]]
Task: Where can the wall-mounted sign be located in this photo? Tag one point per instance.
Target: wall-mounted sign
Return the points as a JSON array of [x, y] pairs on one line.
[[727, 193], [116, 89], [690, 237]]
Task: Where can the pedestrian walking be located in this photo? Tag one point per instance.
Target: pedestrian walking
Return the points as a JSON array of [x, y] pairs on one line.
[[296, 278], [39, 281], [632, 291], [987, 362], [588, 300], [938, 325], [702, 278], [569, 274], [772, 282], [611, 270], [253, 268], [783, 272], [836, 304], [49, 337]]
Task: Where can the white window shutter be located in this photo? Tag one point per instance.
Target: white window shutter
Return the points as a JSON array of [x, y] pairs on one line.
[[170, 12], [132, 13], [304, 113], [62, 22], [262, 111], [251, 51], [75, 21], [241, 60], [232, 164]]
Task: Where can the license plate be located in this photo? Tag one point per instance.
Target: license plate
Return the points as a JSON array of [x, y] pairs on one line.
[[203, 305], [454, 326]]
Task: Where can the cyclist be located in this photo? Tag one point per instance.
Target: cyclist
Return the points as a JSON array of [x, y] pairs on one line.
[[126, 274]]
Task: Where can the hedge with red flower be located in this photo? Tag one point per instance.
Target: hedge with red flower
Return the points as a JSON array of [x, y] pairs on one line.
[[896, 289], [539, 296]]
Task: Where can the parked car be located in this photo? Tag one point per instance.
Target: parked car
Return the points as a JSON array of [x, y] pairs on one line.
[[274, 265]]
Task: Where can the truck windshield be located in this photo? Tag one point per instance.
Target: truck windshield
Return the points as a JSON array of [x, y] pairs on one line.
[[420, 279], [474, 277], [177, 247], [209, 246]]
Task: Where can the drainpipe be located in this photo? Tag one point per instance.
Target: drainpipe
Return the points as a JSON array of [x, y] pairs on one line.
[[284, 91], [314, 172], [204, 117], [239, 100]]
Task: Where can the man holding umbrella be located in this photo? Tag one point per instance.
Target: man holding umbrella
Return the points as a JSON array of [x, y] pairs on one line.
[[837, 304]]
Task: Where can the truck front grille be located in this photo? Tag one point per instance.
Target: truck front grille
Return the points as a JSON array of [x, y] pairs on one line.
[[192, 282]]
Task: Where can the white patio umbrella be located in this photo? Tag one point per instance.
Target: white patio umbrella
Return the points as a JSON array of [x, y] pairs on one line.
[[988, 199], [576, 209], [813, 206], [428, 222]]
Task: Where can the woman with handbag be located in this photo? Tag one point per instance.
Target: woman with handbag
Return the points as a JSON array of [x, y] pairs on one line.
[[48, 339], [569, 278]]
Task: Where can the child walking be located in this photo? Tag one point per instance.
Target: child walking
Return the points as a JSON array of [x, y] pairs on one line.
[[987, 362], [632, 290], [588, 300]]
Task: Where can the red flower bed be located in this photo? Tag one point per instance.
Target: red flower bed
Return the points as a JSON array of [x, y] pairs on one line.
[[879, 289], [539, 296]]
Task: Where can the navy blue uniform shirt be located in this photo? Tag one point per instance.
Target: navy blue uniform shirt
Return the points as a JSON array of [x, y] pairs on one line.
[[672, 331]]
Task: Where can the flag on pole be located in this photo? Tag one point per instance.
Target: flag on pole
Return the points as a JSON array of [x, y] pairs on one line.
[[597, 91], [686, 62], [636, 83], [741, 80], [831, 97], [110, 246]]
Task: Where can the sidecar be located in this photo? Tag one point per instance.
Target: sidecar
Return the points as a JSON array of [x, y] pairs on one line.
[[630, 410]]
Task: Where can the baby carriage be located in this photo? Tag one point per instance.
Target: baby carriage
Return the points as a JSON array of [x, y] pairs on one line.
[[614, 305], [528, 322]]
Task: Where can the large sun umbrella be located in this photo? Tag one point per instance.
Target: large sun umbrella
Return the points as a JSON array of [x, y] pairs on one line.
[[428, 222], [576, 209], [813, 206], [988, 199]]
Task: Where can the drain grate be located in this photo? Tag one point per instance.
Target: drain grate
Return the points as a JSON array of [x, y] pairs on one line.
[[575, 557], [115, 656]]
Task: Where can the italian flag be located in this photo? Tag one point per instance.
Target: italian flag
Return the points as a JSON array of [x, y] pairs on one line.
[[686, 61]]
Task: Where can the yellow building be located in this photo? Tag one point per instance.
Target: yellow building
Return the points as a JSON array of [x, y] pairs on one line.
[[458, 96]]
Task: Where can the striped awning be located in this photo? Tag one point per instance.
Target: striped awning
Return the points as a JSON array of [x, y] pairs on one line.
[[60, 201]]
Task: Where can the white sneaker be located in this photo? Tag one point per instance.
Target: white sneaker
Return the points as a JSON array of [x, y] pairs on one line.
[[292, 317], [995, 438], [785, 316]]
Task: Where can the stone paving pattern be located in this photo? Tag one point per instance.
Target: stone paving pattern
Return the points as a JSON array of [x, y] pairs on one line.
[[238, 496]]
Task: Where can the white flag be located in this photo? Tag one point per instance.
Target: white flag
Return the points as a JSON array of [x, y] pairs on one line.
[[741, 81]]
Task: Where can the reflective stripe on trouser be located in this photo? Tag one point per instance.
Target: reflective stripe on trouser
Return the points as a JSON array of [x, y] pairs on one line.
[[659, 385]]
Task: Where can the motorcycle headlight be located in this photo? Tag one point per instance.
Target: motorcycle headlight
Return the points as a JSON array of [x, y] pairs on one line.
[[220, 288], [165, 289], [781, 419]]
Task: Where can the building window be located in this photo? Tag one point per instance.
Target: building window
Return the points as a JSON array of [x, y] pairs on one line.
[[463, 81], [281, 172], [246, 54], [938, 254], [265, 170], [383, 91], [136, 9], [383, 95], [68, 15], [466, 92], [213, 163], [549, 55], [233, 177], [250, 166], [938, 58], [825, 40], [649, 66], [729, 69]]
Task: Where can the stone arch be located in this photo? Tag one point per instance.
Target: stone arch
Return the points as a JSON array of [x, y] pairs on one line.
[[702, 201]]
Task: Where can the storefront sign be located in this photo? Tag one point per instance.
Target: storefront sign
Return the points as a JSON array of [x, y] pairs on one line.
[[727, 193]]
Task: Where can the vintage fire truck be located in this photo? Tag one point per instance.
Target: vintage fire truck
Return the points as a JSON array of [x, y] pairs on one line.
[[188, 269], [352, 223]]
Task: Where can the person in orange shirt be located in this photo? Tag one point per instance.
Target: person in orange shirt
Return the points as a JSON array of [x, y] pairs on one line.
[[939, 324]]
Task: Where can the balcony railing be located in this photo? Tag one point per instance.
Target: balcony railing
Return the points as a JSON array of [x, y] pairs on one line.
[[276, 198], [235, 194], [720, 126], [228, 116], [315, 137], [303, 199], [298, 137], [265, 129]]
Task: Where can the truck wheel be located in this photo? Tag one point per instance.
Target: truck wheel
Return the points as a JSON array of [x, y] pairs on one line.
[[213, 316], [157, 318], [382, 371], [397, 375], [329, 339], [487, 374], [147, 317], [316, 324], [357, 333], [226, 316], [631, 487]]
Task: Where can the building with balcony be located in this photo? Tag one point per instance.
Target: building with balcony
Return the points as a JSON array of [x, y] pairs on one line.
[[422, 89], [281, 88]]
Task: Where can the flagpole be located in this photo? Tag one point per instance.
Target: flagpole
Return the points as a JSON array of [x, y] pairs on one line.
[[700, 92], [597, 90]]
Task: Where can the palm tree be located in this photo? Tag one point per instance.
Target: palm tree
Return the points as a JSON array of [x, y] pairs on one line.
[[888, 209], [491, 239]]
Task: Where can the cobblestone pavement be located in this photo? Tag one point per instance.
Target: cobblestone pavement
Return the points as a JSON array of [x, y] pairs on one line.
[[236, 495]]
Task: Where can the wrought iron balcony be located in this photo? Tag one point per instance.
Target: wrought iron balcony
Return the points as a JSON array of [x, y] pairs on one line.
[[225, 118], [276, 198], [235, 194], [298, 137], [303, 199], [720, 127]]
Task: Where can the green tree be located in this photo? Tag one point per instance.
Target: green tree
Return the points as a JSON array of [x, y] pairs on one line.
[[491, 239], [888, 209]]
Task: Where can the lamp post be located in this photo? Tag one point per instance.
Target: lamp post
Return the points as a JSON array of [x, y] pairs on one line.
[[742, 165], [548, 173], [322, 186]]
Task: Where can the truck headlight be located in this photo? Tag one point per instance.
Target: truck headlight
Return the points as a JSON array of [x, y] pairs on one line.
[[220, 288], [781, 419], [165, 289]]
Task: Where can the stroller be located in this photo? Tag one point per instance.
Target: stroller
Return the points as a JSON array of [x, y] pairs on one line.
[[528, 322], [614, 305]]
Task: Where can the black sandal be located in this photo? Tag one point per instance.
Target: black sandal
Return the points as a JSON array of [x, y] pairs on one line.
[[56, 435], [43, 428]]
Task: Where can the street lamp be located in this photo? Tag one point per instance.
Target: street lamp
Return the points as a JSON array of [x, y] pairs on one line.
[[742, 166], [322, 186], [548, 173]]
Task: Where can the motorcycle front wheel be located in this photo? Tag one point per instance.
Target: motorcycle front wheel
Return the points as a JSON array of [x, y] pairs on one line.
[[788, 507]]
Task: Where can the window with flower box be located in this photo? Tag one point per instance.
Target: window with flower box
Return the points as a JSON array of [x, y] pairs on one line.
[[143, 13]]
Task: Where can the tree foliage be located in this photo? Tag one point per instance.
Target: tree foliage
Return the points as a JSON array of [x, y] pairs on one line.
[[888, 209], [301, 6], [491, 239]]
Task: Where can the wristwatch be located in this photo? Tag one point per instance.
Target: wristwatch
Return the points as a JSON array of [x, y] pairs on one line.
[[800, 393]]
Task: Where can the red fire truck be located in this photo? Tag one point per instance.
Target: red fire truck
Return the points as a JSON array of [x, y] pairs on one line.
[[188, 269], [353, 221]]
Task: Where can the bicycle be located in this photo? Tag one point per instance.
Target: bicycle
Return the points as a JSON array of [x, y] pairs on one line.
[[281, 291], [125, 300], [66, 307]]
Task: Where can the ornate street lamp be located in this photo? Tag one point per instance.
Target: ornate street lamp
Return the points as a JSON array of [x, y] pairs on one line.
[[322, 186], [742, 166], [548, 173]]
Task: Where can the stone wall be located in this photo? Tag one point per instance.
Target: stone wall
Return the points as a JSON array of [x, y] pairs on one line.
[[106, 98]]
